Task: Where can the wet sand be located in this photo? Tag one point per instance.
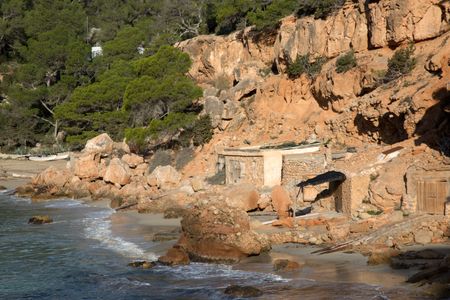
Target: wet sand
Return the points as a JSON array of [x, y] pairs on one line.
[[14, 173]]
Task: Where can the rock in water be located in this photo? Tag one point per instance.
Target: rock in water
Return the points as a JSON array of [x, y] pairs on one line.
[[175, 256], [243, 291], [40, 220], [142, 264], [285, 265]]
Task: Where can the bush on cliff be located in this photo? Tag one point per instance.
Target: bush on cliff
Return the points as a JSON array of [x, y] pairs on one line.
[[268, 17], [346, 62], [304, 64], [401, 63], [320, 9]]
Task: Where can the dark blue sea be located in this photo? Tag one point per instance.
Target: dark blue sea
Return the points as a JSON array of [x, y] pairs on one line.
[[82, 256]]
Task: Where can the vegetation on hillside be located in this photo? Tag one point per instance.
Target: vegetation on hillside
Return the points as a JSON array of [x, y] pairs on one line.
[[52, 89], [305, 64], [346, 62], [401, 63]]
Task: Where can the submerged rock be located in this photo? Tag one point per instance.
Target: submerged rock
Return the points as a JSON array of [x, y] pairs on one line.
[[142, 264], [243, 291], [40, 220], [285, 265]]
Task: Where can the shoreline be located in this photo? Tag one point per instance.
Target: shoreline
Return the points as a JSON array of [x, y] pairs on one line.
[[332, 267]]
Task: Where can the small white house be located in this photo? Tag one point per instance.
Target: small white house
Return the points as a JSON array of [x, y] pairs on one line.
[[97, 50]]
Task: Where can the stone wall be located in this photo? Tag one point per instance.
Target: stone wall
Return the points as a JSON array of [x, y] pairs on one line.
[[351, 193], [244, 169], [299, 167]]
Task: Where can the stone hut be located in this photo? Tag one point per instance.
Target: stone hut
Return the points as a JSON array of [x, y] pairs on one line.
[[271, 165]]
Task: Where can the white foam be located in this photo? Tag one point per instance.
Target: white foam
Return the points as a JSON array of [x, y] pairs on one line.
[[97, 226], [65, 204], [208, 271]]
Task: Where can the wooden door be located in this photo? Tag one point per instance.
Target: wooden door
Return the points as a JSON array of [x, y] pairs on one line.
[[431, 196]]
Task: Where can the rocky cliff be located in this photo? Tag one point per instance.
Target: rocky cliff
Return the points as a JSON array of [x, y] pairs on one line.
[[251, 100]]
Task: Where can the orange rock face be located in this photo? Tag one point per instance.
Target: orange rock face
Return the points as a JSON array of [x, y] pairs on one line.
[[175, 256]]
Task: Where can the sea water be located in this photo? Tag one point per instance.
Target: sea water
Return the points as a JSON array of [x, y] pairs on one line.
[[79, 256]]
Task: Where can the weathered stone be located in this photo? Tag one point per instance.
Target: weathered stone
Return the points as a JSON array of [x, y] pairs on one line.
[[175, 256], [243, 291], [215, 232], [285, 265], [100, 144], [242, 196], [87, 166], [281, 201], [40, 220], [197, 184], [214, 108], [52, 177], [166, 176], [423, 236], [142, 264], [132, 160], [117, 172]]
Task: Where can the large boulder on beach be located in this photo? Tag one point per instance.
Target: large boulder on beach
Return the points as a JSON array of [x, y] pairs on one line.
[[87, 166], [243, 196], [215, 232], [165, 177], [99, 144], [52, 176], [175, 256], [117, 172]]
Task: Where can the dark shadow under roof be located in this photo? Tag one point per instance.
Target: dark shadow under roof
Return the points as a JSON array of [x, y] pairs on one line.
[[329, 176]]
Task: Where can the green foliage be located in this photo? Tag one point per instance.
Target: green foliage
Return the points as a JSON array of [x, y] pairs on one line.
[[124, 45], [305, 65], [401, 63], [167, 61], [268, 17], [320, 9], [346, 62]]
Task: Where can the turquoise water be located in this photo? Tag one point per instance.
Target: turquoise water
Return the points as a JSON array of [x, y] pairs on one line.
[[79, 256]]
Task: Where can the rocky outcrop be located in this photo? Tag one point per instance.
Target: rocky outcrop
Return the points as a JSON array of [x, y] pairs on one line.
[[215, 232], [40, 220]]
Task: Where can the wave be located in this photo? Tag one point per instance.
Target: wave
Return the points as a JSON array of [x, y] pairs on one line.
[[200, 271], [97, 226], [65, 204]]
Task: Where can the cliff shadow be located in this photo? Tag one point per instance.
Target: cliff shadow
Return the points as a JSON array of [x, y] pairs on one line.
[[434, 127], [390, 127]]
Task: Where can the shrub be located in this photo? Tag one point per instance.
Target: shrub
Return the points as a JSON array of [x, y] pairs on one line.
[[320, 9], [183, 157], [304, 64], [269, 17], [346, 62], [160, 158], [401, 63], [201, 132]]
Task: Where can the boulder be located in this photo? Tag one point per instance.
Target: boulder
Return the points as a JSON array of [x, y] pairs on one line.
[[132, 160], [243, 291], [52, 177], [423, 236], [100, 144], [197, 184], [175, 256], [243, 196], [87, 166], [117, 172], [40, 220], [215, 232], [285, 265], [214, 108], [281, 201], [166, 176], [142, 264]]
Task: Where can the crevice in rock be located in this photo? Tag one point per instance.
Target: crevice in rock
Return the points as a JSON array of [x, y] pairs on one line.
[[390, 130]]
